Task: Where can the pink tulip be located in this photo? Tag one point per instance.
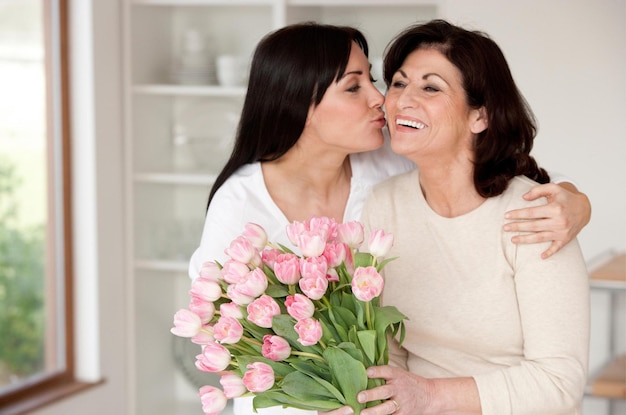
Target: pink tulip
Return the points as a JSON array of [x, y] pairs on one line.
[[253, 284], [228, 330], [287, 268], [299, 306], [241, 250], [213, 400], [256, 235], [335, 253], [380, 243], [205, 289], [312, 243], [351, 233], [204, 336], [275, 348], [269, 255], [214, 358], [211, 271], [324, 225], [332, 275], [238, 297], [186, 323], [262, 310], [234, 271], [367, 283], [233, 385], [204, 309], [314, 287], [294, 230], [313, 267], [259, 377], [309, 331], [231, 310]]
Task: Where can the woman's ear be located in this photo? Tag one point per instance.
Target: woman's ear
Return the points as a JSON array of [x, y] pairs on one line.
[[478, 120]]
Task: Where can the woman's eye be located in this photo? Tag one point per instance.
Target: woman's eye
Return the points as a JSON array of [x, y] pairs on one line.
[[431, 88], [354, 88], [397, 84]]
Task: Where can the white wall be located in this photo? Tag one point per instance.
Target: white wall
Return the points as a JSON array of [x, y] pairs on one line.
[[569, 60], [568, 57]]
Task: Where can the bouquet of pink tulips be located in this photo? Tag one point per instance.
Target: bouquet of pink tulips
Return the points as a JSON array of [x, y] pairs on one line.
[[293, 330]]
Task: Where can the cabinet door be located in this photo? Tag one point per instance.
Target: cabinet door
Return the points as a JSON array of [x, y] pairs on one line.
[[379, 21], [180, 128]]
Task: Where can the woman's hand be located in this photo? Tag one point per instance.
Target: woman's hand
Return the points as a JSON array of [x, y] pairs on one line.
[[559, 221], [405, 393], [346, 410], [402, 394]]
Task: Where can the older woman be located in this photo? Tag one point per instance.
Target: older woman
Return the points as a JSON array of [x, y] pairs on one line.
[[493, 328]]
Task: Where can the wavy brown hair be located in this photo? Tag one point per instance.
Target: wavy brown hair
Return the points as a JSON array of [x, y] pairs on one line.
[[502, 151]]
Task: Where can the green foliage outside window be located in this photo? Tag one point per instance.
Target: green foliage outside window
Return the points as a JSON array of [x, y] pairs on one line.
[[21, 287]]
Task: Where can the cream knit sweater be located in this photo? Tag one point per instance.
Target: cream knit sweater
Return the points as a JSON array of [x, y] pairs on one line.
[[480, 306]]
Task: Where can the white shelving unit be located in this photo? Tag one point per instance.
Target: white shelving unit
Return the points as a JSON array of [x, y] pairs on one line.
[[177, 138]]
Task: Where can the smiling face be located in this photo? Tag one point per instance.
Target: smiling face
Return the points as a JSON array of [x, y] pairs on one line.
[[427, 110], [350, 114]]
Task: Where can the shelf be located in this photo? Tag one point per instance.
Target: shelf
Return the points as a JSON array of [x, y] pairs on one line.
[[611, 274], [362, 3], [610, 382], [203, 2], [190, 90], [176, 178]]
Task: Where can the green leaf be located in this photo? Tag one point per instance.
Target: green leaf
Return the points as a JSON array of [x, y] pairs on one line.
[[326, 384], [353, 349], [277, 291], [349, 374], [305, 388], [313, 367], [277, 398], [367, 338], [382, 264], [363, 259]]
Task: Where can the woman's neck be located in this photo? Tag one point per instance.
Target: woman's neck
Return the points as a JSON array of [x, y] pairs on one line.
[[449, 189], [305, 186]]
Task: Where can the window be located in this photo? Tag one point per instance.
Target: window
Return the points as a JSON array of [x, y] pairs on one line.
[[36, 336]]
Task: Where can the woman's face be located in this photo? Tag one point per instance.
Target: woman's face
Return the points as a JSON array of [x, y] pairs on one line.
[[427, 108], [349, 116]]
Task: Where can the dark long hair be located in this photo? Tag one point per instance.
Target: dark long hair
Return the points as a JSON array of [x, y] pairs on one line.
[[502, 151], [291, 70]]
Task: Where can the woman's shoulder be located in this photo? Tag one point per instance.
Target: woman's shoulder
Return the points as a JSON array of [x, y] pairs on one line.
[[244, 180], [518, 186]]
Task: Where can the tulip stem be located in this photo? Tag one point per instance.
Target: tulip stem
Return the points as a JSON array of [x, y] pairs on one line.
[[311, 355], [251, 341], [368, 317]]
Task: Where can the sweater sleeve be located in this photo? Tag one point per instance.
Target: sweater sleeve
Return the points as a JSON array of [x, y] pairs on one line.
[[553, 297]]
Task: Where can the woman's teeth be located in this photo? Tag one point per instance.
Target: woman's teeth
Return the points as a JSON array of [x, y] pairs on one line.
[[412, 124]]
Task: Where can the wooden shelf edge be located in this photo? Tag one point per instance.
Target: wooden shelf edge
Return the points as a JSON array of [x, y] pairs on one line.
[[614, 269], [610, 382]]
